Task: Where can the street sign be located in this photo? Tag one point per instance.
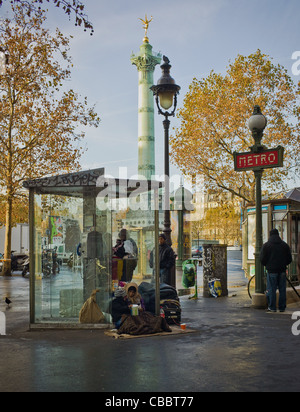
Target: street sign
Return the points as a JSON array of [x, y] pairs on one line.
[[263, 159]]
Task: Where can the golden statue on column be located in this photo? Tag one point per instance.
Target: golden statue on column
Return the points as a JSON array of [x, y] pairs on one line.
[[146, 26]]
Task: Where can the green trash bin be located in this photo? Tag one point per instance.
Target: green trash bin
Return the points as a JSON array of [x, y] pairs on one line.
[[188, 274]]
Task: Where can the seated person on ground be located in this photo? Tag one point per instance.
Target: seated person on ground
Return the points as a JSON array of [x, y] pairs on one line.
[[119, 306], [133, 296]]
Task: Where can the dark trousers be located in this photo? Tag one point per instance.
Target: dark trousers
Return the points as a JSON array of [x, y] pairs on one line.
[[276, 281], [164, 275]]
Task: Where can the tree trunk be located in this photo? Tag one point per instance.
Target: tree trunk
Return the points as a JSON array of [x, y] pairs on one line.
[[6, 268]]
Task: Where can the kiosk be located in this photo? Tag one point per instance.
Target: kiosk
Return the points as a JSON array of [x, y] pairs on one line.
[[282, 214], [75, 222]]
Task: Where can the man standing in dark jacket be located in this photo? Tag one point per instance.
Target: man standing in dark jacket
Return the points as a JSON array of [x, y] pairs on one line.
[[276, 256], [166, 259]]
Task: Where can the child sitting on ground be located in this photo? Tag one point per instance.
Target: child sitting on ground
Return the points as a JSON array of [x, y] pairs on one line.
[[133, 296]]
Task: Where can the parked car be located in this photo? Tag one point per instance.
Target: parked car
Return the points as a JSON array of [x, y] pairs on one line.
[[197, 251]]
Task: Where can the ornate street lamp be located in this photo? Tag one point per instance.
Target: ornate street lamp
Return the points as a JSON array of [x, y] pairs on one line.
[[257, 124], [166, 92]]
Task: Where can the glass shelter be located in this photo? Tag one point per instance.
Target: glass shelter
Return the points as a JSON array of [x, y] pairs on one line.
[[76, 224], [282, 214]]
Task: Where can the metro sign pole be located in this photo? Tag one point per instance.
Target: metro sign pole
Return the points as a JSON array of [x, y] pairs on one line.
[[257, 160]]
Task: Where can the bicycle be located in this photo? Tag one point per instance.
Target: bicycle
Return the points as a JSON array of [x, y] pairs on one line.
[[249, 285], [287, 278]]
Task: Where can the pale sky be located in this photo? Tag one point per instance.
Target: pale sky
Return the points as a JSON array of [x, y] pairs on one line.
[[197, 36]]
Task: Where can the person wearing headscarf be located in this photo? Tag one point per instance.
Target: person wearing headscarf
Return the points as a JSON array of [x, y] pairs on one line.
[[130, 256], [118, 249], [120, 306], [133, 296]]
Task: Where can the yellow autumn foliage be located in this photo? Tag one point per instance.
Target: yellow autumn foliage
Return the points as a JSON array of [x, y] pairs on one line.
[[214, 121], [40, 119]]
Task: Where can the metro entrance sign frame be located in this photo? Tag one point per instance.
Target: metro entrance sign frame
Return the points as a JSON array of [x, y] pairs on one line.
[[257, 160]]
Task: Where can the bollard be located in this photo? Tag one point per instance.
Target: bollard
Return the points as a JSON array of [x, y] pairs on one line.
[[214, 266], [2, 324]]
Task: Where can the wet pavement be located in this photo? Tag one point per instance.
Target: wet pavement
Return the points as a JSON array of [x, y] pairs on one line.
[[233, 348]]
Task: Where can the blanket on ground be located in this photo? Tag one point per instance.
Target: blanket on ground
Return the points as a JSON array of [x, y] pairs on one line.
[[143, 324]]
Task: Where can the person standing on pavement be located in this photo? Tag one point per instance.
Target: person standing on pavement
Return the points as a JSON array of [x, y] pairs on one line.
[[166, 259], [276, 256]]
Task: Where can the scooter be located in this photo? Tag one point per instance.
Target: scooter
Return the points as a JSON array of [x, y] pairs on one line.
[[55, 263], [50, 264], [25, 267], [14, 261], [17, 261], [46, 264], [70, 261]]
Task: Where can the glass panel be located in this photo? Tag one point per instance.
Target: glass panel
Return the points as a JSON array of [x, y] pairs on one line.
[[251, 236], [281, 226], [76, 250], [69, 257], [133, 241], [58, 267]]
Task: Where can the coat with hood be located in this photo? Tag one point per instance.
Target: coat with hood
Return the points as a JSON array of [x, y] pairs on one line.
[[136, 299], [120, 305], [276, 254], [166, 257]]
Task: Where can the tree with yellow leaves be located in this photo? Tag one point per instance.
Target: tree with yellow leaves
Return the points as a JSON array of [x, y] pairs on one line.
[[69, 7], [214, 121], [39, 119], [223, 223]]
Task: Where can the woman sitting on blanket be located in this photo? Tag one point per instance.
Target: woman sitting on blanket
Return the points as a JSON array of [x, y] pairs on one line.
[[133, 296], [124, 299], [120, 306], [146, 323]]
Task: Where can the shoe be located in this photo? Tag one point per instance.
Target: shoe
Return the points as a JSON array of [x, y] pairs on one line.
[[271, 310], [282, 310]]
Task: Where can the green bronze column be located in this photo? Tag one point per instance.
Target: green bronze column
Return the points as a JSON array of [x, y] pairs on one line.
[[145, 62]]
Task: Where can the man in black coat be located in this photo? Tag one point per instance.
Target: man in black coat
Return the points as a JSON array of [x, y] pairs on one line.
[[276, 256], [166, 259]]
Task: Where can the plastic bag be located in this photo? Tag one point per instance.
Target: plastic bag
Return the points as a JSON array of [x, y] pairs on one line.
[[215, 288], [189, 274], [90, 311]]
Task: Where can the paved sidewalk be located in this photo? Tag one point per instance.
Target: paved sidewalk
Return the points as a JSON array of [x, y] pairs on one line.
[[234, 348]]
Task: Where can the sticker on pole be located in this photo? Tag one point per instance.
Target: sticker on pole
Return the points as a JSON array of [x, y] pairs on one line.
[[215, 288]]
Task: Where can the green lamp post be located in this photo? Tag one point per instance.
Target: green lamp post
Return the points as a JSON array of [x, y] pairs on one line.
[[257, 124], [166, 92], [182, 205]]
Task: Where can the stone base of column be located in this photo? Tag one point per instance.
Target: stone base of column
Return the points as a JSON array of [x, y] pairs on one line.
[[259, 301]]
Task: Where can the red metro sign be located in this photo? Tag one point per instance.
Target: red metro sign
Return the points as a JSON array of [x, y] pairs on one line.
[[259, 160]]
